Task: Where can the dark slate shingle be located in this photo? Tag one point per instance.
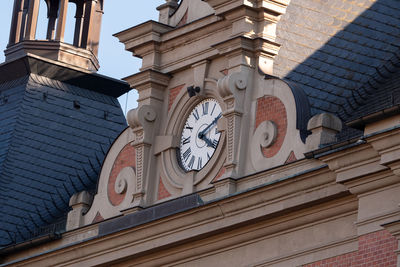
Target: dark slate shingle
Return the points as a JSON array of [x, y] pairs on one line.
[[49, 150]]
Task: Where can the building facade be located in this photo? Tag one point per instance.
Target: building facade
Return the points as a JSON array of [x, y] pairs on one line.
[[266, 134]]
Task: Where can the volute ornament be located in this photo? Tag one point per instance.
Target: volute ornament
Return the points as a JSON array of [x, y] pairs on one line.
[[124, 177], [234, 81], [137, 117]]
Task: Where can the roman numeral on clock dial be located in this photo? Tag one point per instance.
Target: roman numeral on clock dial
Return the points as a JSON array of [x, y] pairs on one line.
[[186, 140]]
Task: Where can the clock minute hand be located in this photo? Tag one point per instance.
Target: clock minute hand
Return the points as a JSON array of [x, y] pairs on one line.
[[208, 128]]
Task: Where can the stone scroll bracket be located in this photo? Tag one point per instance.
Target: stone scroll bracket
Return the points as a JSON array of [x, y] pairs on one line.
[[143, 124], [232, 89], [280, 115]]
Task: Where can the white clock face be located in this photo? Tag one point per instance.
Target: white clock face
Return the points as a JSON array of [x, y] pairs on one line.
[[200, 136]]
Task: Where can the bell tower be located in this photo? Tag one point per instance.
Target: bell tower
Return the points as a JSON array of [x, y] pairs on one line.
[[82, 53]]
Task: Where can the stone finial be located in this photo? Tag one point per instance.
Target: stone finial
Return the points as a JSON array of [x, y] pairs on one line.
[[324, 128], [166, 10], [80, 203]]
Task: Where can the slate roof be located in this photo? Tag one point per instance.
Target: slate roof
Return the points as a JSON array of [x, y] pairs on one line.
[[335, 49], [53, 138], [384, 97]]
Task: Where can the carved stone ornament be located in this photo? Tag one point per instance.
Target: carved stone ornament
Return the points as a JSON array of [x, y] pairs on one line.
[[276, 135], [266, 133], [137, 116], [176, 180], [123, 180], [228, 84], [232, 89]]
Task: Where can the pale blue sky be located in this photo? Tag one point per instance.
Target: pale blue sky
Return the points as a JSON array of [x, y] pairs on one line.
[[118, 15]]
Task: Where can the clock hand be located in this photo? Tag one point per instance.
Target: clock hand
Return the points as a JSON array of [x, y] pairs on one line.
[[208, 128], [208, 142]]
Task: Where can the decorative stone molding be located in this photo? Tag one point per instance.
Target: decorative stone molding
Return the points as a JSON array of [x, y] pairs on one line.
[[113, 197], [369, 170], [142, 120], [274, 134], [266, 133], [144, 41], [122, 182], [232, 89], [245, 20], [324, 128], [175, 180], [387, 145]]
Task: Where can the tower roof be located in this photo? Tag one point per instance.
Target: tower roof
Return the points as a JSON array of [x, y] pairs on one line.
[[56, 124]]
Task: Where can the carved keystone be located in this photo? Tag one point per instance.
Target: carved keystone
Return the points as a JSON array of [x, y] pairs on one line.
[[324, 128], [80, 203]]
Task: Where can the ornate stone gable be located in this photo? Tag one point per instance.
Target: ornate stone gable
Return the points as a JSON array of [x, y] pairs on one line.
[[225, 52]]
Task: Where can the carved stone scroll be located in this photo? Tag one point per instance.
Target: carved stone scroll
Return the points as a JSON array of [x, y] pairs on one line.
[[142, 120], [231, 88]]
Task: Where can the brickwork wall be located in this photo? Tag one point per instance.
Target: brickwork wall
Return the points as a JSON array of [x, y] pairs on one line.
[[270, 108], [173, 93], [98, 218], [125, 158], [183, 20], [375, 249], [291, 158], [162, 191]]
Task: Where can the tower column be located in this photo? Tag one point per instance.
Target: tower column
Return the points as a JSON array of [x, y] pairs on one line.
[[24, 15], [62, 19], [90, 8], [78, 24], [53, 13], [31, 23], [16, 22]]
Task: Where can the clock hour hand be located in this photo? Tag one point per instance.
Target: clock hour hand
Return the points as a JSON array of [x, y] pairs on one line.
[[209, 142], [208, 128]]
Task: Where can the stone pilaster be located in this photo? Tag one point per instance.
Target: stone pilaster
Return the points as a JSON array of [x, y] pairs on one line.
[[145, 123]]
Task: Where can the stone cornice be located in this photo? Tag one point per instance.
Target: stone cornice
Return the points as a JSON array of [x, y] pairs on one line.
[[368, 165], [299, 195], [223, 6], [149, 31]]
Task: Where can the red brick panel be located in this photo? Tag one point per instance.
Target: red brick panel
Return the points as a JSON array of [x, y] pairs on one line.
[[98, 218], [162, 191], [291, 158], [270, 108], [220, 173], [125, 158], [376, 249], [173, 93], [183, 20]]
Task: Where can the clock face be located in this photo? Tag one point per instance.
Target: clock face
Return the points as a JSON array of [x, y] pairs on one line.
[[200, 136]]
